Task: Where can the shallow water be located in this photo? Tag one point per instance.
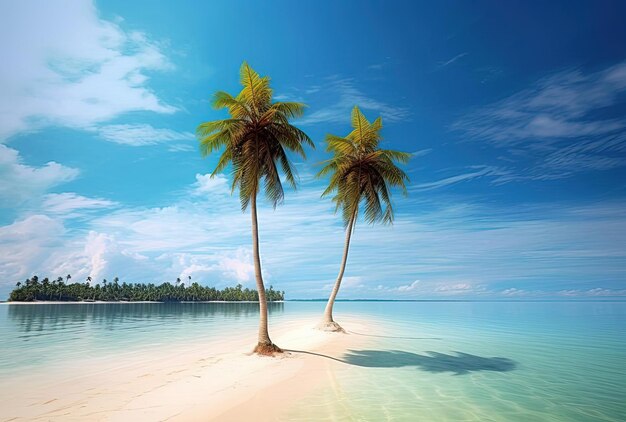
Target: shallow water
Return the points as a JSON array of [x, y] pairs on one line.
[[480, 361], [434, 361], [49, 335]]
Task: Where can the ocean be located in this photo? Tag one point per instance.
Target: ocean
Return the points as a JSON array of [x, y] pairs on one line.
[[431, 361]]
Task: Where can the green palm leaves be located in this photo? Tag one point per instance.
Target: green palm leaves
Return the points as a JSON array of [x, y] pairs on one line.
[[254, 142], [361, 172], [255, 139]]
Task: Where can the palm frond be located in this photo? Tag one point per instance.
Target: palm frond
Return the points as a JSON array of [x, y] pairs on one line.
[[361, 174], [255, 139]]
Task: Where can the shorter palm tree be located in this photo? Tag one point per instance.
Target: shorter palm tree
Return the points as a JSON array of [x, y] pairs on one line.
[[360, 173]]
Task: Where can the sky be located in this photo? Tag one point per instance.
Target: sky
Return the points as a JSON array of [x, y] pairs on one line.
[[515, 113]]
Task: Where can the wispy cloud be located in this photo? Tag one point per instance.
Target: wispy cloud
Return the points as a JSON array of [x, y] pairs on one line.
[[141, 135], [454, 250], [346, 95], [555, 124], [421, 152], [597, 292], [21, 182], [474, 172], [70, 204], [452, 60]]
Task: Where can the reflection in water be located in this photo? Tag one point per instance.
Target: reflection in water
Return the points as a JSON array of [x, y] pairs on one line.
[[42, 317], [47, 334]]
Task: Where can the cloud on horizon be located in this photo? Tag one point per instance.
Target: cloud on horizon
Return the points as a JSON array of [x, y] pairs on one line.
[[500, 253]]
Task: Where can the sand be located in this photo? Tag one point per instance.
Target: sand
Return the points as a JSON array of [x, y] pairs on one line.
[[187, 382]]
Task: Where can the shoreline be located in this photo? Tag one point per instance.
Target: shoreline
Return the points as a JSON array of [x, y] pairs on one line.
[[221, 380], [81, 302]]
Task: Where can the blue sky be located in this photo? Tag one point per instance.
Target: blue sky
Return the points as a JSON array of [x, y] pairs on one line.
[[515, 113]]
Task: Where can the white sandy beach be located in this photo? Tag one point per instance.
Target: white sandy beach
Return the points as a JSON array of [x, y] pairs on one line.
[[187, 382]]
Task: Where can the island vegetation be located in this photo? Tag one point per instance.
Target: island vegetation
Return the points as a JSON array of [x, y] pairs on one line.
[[60, 289]]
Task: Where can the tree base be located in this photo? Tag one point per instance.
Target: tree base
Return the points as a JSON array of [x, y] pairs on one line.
[[330, 326], [267, 349]]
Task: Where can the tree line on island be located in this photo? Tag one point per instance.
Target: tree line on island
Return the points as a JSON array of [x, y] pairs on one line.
[[253, 142], [61, 289]]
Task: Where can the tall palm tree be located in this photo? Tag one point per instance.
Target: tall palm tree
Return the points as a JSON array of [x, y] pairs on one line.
[[254, 141], [360, 174]]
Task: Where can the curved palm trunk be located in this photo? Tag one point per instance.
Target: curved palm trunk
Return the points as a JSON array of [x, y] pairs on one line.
[[328, 323], [265, 345]]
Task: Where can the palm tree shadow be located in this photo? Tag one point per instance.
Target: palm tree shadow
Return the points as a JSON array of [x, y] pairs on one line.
[[458, 363]]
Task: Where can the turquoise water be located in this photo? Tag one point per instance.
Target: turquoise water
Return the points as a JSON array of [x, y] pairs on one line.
[[481, 361], [434, 361], [52, 334]]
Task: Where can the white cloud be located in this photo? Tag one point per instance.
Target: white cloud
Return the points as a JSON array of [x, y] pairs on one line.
[[70, 67], [409, 287], [239, 265], [27, 247], [220, 268], [40, 245], [68, 203], [455, 250], [141, 134], [205, 184], [512, 292], [21, 182]]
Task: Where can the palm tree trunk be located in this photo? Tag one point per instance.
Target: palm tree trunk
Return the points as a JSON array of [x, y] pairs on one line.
[[327, 321], [265, 345]]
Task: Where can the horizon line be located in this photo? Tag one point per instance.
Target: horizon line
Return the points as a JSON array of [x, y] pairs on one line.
[[462, 300]]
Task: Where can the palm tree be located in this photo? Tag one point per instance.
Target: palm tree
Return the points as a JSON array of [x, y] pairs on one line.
[[360, 172], [254, 141]]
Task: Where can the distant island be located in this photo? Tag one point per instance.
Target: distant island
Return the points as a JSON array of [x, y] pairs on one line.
[[61, 290]]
